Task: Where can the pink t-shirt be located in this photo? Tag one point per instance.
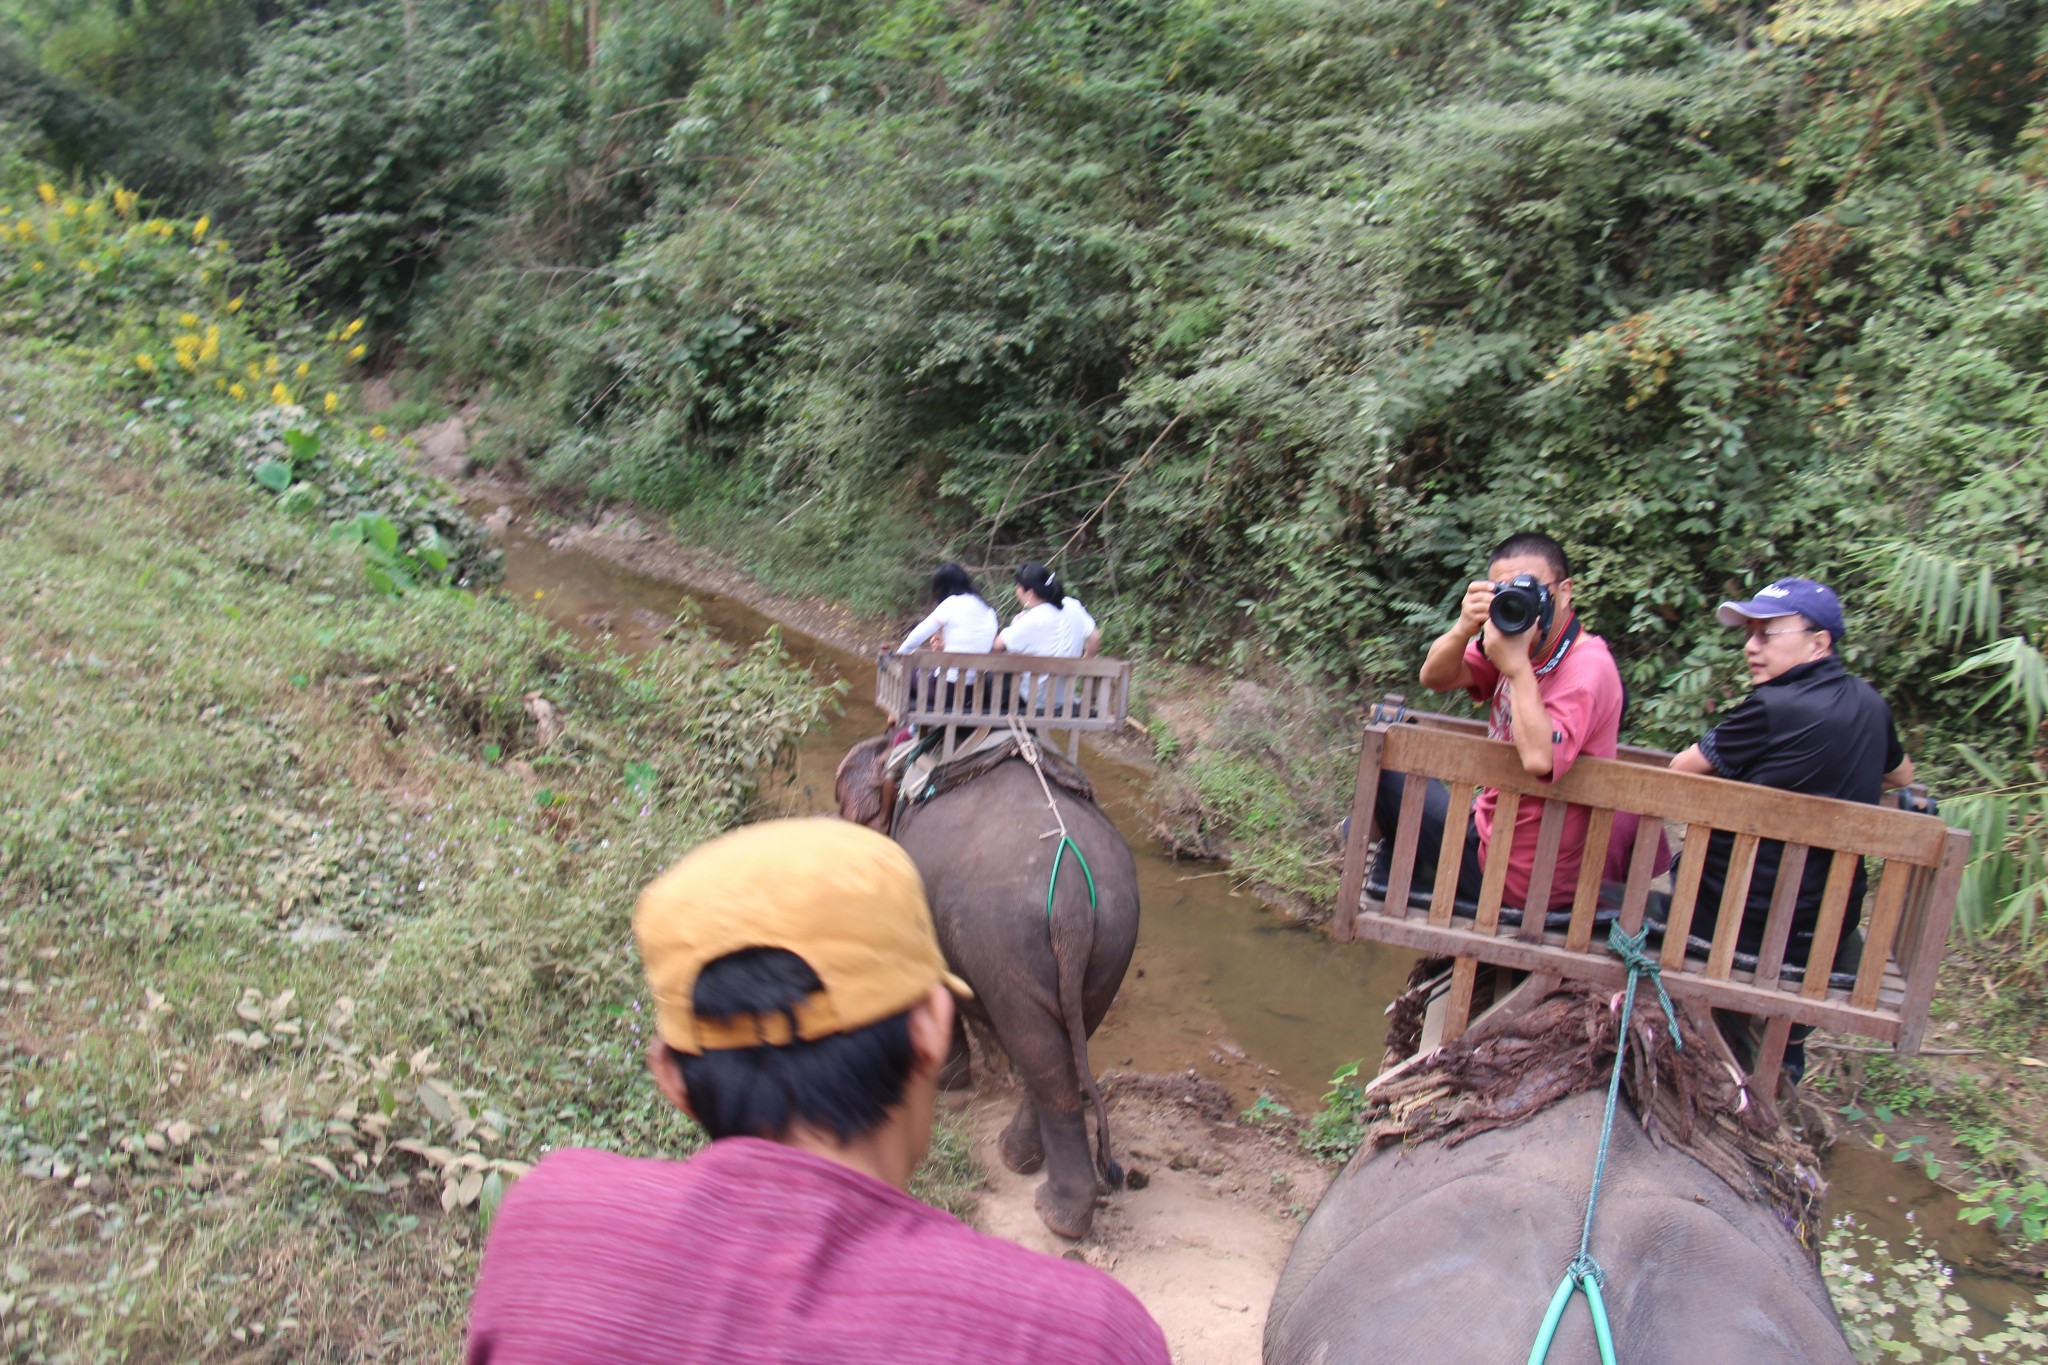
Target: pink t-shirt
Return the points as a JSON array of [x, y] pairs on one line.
[[751, 1251], [1582, 699]]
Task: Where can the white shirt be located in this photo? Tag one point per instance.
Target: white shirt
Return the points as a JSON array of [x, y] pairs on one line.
[[1082, 624], [969, 624], [1042, 629]]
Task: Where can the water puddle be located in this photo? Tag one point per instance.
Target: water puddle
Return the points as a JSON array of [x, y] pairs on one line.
[[1219, 983]]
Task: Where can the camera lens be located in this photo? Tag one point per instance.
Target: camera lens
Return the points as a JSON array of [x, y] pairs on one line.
[[1515, 608]]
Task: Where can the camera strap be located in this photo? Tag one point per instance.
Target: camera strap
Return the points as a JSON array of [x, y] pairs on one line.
[[1565, 640]]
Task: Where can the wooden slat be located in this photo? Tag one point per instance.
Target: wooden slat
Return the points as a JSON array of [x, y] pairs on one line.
[[1877, 938], [1770, 957], [1344, 924], [1604, 969], [1586, 901], [1734, 900], [1635, 895], [1458, 1004], [1443, 893], [1770, 1060], [1494, 883], [1922, 957], [1684, 897], [1827, 930], [1401, 867], [1549, 836], [1739, 807]]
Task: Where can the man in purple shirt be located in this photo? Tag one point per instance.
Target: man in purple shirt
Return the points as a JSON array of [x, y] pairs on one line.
[[803, 1011]]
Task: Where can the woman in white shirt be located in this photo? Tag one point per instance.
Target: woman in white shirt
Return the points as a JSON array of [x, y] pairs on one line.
[[960, 623], [1043, 627]]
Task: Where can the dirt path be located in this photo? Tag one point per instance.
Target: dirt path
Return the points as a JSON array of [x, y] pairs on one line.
[[1202, 1233]]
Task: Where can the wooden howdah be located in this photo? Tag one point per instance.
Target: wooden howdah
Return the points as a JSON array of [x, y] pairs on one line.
[[1915, 869], [969, 692]]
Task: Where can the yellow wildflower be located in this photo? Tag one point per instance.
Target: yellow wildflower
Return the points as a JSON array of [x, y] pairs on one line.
[[271, 366], [35, 267], [255, 371], [88, 268], [379, 432], [24, 229], [358, 351], [237, 392], [145, 362], [188, 319], [70, 208], [47, 191], [280, 395], [331, 401], [235, 304], [92, 210], [124, 202], [303, 368], [209, 350], [199, 228], [351, 329]]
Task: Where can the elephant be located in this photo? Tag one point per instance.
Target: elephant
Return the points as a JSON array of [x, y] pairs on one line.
[[1451, 1254], [1043, 974]]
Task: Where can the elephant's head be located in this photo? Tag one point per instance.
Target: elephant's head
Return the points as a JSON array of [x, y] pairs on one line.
[[866, 793]]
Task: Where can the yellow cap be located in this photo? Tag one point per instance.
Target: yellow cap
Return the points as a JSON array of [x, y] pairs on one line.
[[846, 900]]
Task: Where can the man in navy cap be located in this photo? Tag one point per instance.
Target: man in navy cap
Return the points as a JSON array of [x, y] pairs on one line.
[[1808, 725]]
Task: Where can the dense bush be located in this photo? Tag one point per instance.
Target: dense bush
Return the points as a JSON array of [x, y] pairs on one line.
[[358, 146]]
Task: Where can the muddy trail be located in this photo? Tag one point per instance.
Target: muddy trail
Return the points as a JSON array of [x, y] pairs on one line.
[[1226, 1001]]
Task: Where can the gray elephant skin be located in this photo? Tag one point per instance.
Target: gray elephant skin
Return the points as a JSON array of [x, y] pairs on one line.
[[1451, 1254], [985, 866]]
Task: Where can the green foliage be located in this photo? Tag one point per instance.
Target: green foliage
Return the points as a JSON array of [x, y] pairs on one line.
[[356, 147], [1261, 320], [354, 973], [1331, 1134]]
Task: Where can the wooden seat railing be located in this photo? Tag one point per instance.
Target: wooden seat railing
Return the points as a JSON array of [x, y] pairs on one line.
[[966, 692], [1918, 867]]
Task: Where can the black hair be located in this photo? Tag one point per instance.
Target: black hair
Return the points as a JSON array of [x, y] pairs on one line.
[[1035, 576], [844, 1083], [949, 580], [1523, 543]]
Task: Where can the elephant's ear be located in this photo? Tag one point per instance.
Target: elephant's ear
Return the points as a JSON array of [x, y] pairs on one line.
[[863, 789]]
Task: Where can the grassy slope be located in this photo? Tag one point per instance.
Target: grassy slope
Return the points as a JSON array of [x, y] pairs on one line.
[[287, 880]]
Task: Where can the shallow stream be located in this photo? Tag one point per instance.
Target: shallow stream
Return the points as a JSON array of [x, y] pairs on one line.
[[1220, 984]]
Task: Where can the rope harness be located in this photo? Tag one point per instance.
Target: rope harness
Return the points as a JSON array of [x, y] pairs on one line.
[[1028, 751], [1584, 1273]]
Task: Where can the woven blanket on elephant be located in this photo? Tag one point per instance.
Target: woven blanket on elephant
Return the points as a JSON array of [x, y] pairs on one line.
[[1691, 1097], [1059, 771]]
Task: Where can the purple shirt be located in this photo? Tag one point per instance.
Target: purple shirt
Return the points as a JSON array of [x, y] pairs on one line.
[[751, 1251]]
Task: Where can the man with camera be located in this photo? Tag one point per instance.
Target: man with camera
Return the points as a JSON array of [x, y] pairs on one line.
[[1554, 693]]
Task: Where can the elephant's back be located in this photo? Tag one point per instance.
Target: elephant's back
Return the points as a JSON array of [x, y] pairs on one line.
[[986, 851], [1452, 1254]]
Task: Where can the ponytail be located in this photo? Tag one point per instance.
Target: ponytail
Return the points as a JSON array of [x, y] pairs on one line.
[[1039, 579]]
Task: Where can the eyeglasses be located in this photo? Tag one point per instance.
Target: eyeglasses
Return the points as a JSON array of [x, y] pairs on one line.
[[1785, 630]]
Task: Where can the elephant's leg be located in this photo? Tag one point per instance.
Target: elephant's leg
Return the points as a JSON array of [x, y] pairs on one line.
[[1021, 1147], [1066, 1201]]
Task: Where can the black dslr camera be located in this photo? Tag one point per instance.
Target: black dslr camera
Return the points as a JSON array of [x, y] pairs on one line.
[[1519, 603]]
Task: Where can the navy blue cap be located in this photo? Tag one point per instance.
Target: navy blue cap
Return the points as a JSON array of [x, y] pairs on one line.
[[1789, 597]]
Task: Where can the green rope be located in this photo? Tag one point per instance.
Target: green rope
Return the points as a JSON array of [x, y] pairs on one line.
[[1052, 882], [1584, 1273]]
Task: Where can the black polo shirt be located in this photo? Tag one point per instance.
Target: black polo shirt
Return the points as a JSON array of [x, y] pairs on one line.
[[1816, 729]]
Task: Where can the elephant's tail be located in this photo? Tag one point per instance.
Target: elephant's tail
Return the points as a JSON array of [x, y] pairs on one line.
[[1073, 943]]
